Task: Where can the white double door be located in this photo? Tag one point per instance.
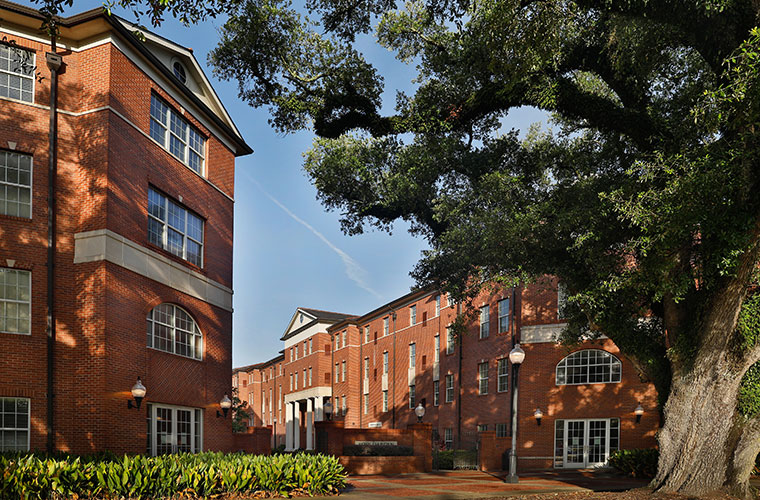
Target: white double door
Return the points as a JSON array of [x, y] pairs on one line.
[[587, 442], [174, 429]]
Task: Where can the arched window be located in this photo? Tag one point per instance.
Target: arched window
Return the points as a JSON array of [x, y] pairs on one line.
[[590, 366], [172, 329]]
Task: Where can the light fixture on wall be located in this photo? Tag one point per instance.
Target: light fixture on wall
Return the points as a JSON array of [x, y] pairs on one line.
[[138, 392], [639, 411], [420, 412], [225, 404], [328, 409], [539, 415]]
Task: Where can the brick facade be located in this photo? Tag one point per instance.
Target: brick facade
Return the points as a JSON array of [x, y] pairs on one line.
[[106, 164], [532, 317]]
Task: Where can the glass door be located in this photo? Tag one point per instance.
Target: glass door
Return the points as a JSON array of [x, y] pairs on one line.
[[174, 429], [575, 444], [586, 443]]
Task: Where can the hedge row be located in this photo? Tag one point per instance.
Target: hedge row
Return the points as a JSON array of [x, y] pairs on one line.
[[636, 462], [200, 475]]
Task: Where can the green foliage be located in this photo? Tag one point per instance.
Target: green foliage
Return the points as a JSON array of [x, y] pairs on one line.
[[636, 462], [454, 459], [206, 474], [240, 414], [378, 451]]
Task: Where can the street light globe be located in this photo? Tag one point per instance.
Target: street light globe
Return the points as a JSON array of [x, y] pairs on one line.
[[226, 402], [639, 411], [516, 355], [420, 412], [138, 390], [328, 409]]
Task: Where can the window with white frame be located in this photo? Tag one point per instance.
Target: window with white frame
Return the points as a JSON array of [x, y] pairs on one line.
[[291, 381], [172, 329], [311, 346], [438, 305], [503, 315], [337, 405], [15, 184], [436, 392], [366, 403], [310, 376], [482, 427], [501, 430], [305, 348], [17, 73], [448, 437], [484, 323], [412, 355], [14, 424], [449, 388], [295, 380], [385, 362], [385, 326], [366, 334], [175, 228], [412, 396], [589, 366], [337, 372], [174, 133], [345, 338], [174, 429], [413, 315], [15, 301], [385, 401], [503, 368], [366, 368], [343, 405], [437, 352], [483, 378], [450, 340], [279, 398], [304, 379], [343, 371]]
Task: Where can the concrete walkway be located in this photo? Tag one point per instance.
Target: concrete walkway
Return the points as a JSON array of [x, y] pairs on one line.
[[473, 484]]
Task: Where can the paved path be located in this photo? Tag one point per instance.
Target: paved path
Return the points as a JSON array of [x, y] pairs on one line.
[[451, 485]]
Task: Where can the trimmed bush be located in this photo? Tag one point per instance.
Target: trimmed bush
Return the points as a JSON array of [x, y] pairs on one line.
[[28, 476], [636, 462], [358, 450], [454, 459]]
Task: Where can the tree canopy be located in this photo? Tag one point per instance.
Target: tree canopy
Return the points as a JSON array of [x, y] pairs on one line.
[[643, 201]]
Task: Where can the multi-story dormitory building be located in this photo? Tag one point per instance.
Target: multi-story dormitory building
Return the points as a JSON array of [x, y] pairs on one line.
[[142, 275], [377, 367]]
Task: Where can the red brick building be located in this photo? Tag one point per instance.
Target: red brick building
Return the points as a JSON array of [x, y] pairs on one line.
[[377, 367], [144, 187]]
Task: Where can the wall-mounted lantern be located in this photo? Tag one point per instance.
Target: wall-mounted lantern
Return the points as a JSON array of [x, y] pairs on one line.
[[639, 411], [420, 412], [328, 409], [225, 404], [539, 415], [138, 392]]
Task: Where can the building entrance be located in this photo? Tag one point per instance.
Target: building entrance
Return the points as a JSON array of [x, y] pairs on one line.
[[586, 443]]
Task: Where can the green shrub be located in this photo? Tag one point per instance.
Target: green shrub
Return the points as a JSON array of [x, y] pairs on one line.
[[30, 476], [358, 450], [455, 459], [637, 462]]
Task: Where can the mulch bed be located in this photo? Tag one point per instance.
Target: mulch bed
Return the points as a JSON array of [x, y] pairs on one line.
[[637, 494]]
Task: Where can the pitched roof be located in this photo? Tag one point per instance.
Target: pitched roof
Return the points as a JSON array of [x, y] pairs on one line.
[[319, 316], [326, 315]]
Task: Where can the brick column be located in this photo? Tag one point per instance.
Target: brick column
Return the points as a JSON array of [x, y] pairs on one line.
[[334, 430], [422, 434]]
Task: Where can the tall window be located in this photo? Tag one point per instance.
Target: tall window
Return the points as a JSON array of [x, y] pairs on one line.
[[16, 73], [345, 338], [304, 378], [366, 403], [385, 400], [503, 315], [366, 368], [503, 375], [385, 326], [589, 366], [15, 301], [385, 362], [295, 380], [173, 132], [437, 353], [413, 315], [483, 378], [484, 326], [310, 376], [172, 329], [14, 423], [174, 228], [366, 334], [343, 371], [438, 305], [279, 398], [448, 437], [336, 372], [343, 406], [450, 340], [305, 348], [449, 388], [412, 355], [311, 346], [412, 396], [15, 181], [436, 392], [501, 430]]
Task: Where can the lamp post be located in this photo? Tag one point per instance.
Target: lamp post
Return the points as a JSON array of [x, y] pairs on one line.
[[328, 409], [516, 357], [138, 392], [420, 412], [225, 404]]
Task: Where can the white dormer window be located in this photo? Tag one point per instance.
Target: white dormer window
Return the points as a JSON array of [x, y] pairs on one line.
[[179, 71]]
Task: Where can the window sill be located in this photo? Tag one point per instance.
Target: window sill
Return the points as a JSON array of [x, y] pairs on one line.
[[16, 333], [16, 218], [155, 349]]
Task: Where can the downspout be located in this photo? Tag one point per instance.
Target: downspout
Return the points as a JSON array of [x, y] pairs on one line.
[[333, 376], [459, 382], [361, 370], [393, 315], [53, 61]]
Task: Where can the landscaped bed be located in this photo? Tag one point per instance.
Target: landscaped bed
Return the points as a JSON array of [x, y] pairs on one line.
[[200, 475], [637, 494]]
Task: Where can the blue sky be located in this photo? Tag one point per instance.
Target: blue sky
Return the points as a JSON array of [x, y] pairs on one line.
[[288, 251]]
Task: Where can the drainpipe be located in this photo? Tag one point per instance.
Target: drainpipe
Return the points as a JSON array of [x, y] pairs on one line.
[[459, 382], [53, 61], [361, 370], [393, 315]]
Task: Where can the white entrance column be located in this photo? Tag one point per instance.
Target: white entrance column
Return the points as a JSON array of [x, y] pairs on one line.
[[296, 425], [289, 426], [319, 412], [309, 424]]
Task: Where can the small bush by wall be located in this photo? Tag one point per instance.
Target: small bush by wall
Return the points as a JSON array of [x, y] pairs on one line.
[[455, 459], [205, 474], [357, 450], [636, 462]]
